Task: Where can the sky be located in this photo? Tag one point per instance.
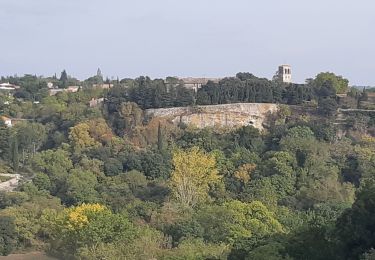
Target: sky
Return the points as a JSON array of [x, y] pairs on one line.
[[198, 38]]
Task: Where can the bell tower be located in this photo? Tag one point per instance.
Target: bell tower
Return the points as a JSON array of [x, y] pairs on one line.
[[285, 74]]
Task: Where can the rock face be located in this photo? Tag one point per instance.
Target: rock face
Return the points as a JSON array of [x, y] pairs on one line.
[[228, 115], [11, 184]]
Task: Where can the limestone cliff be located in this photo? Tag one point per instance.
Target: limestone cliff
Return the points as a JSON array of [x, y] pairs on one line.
[[228, 115]]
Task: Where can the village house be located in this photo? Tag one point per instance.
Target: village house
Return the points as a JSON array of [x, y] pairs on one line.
[[50, 85], [197, 83], [70, 89], [8, 86], [103, 86], [94, 102], [54, 91], [7, 121], [10, 122]]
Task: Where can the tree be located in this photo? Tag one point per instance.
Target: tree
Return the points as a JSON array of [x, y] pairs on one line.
[[81, 139], [86, 225], [147, 245], [155, 164], [99, 73], [112, 167], [31, 137], [248, 137], [64, 79], [236, 220], [355, 229], [131, 114], [339, 83], [42, 181], [327, 106], [301, 141], [27, 220], [99, 130], [14, 153], [279, 171], [160, 139], [81, 187], [196, 249], [194, 172], [7, 235], [4, 140], [56, 165]]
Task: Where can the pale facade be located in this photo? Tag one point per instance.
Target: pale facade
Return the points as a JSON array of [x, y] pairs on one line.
[[285, 74]]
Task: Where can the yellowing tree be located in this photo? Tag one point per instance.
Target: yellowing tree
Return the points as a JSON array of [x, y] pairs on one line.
[[99, 130], [77, 217], [194, 171], [243, 172], [80, 137]]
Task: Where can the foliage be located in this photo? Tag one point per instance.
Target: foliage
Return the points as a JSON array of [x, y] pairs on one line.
[[355, 228], [110, 182], [86, 225], [193, 172], [339, 83], [7, 235], [235, 220]]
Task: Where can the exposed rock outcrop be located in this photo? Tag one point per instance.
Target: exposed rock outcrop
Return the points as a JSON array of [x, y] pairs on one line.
[[228, 115], [11, 184]]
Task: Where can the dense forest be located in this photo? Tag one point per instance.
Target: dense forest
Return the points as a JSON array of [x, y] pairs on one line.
[[105, 182]]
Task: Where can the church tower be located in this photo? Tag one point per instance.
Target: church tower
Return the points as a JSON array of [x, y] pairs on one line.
[[285, 74]]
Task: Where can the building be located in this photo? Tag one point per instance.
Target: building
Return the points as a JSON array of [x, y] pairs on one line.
[[8, 86], [95, 102], [54, 91], [70, 89], [7, 121], [284, 74], [50, 85], [197, 83], [103, 86]]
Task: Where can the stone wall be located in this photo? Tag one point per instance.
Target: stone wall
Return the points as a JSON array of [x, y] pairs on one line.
[[228, 115]]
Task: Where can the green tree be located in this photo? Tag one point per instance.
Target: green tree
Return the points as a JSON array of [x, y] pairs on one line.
[[7, 235], [81, 187], [4, 140], [112, 167], [86, 225], [42, 181], [64, 79], [31, 137], [356, 227], [235, 220], [14, 153], [339, 83], [56, 165]]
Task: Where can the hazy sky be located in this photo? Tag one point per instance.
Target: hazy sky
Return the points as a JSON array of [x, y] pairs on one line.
[[202, 38]]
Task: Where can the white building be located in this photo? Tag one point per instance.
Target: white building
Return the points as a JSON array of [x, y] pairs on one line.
[[284, 74], [8, 86], [7, 121]]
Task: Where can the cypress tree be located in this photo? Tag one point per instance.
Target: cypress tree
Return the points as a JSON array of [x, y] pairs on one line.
[[64, 79], [160, 138], [14, 153]]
